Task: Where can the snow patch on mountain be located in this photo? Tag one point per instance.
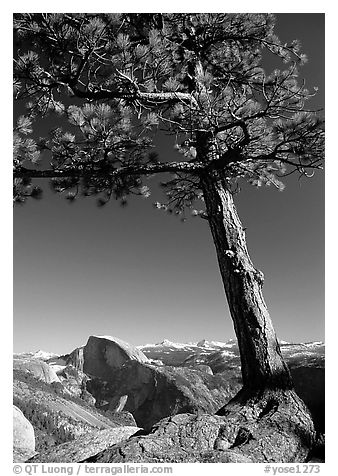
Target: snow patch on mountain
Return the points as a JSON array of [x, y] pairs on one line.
[[314, 344], [39, 354], [166, 343], [210, 344]]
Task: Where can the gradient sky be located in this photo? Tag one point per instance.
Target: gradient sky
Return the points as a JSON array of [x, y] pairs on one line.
[[141, 275]]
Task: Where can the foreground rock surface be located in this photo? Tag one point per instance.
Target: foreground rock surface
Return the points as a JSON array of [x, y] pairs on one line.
[[85, 445], [274, 427], [183, 438], [23, 437]]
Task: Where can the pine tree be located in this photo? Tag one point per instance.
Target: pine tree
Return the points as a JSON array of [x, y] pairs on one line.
[[114, 79]]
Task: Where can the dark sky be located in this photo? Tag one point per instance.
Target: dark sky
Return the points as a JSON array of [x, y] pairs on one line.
[[141, 275]]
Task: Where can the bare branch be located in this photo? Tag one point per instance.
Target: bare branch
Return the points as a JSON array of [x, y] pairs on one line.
[[148, 169]]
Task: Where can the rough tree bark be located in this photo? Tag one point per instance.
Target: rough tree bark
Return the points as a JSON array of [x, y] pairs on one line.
[[261, 359]]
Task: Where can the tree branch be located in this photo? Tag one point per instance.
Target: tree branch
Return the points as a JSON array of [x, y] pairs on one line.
[[149, 169], [160, 97]]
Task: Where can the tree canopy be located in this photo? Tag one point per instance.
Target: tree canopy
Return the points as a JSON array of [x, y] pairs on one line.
[[112, 80]]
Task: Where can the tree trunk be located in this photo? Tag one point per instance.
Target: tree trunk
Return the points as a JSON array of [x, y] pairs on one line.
[[262, 363]]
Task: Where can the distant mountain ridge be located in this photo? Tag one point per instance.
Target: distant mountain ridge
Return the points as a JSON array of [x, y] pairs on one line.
[[173, 353], [203, 343]]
